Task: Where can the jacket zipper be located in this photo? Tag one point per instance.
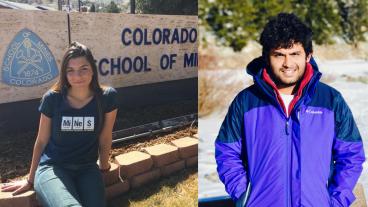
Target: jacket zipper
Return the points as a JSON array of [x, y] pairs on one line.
[[313, 79], [298, 114], [287, 162]]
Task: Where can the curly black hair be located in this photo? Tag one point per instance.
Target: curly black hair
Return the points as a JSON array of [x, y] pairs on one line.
[[283, 31]]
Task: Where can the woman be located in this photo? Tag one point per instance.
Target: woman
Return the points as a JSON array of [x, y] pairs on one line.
[[77, 118]]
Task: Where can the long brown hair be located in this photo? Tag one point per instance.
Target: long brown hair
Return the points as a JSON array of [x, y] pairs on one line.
[[76, 50]]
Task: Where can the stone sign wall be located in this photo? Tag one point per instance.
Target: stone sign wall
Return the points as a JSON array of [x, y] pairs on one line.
[[129, 49]]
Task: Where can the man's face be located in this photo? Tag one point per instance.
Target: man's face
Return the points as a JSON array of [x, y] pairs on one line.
[[288, 64]]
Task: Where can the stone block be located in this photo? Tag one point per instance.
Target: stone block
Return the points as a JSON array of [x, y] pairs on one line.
[[163, 154], [116, 189], [191, 161], [188, 147], [171, 168], [133, 163], [144, 178], [27, 199]]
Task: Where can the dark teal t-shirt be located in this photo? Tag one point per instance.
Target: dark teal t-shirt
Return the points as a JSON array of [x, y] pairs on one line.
[[74, 138]]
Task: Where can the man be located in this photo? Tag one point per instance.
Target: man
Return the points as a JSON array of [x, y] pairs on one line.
[[288, 140]]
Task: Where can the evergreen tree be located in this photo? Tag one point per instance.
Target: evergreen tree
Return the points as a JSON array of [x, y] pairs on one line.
[[354, 20], [234, 23], [237, 22], [112, 8], [321, 16], [173, 7], [265, 9], [93, 8]]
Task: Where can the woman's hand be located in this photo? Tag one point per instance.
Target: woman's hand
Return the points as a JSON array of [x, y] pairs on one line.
[[18, 187], [105, 169]]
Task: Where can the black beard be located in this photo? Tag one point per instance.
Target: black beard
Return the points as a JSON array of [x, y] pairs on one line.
[[281, 84]]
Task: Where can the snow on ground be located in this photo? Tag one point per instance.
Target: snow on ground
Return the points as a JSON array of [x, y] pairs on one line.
[[350, 77]]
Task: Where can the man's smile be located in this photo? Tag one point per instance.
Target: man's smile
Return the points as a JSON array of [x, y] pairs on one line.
[[289, 72]]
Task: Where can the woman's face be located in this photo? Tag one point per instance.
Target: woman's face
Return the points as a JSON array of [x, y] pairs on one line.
[[79, 73]]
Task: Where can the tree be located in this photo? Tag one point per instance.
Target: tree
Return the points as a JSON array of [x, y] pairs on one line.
[[265, 9], [354, 20], [112, 8], [321, 16], [230, 24], [235, 23], [173, 7], [93, 8]]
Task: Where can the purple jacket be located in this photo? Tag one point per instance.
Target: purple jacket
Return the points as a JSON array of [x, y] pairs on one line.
[[311, 158]]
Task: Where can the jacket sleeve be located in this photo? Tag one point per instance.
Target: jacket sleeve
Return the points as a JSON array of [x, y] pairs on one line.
[[229, 151], [348, 156]]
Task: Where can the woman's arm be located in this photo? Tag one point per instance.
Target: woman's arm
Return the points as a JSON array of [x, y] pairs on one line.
[[42, 139], [43, 136], [105, 139]]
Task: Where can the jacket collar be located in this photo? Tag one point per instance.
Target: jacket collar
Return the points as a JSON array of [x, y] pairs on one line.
[[303, 83]]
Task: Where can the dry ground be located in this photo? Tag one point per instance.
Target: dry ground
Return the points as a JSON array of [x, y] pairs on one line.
[[178, 190]]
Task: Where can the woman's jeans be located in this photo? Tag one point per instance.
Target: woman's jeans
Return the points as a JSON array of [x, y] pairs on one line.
[[69, 186]]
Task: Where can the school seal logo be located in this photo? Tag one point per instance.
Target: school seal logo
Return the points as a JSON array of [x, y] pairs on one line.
[[28, 61]]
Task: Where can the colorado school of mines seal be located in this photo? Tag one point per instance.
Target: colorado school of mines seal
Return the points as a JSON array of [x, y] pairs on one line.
[[28, 61]]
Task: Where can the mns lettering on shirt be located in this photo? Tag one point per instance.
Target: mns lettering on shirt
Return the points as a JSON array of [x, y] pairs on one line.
[[77, 123]]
